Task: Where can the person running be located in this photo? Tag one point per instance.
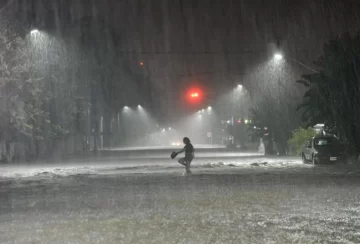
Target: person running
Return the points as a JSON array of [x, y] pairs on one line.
[[189, 154]]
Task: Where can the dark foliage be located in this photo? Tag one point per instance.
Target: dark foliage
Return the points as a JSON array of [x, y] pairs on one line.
[[333, 95]]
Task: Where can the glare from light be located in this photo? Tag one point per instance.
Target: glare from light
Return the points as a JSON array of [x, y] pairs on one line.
[[139, 106], [170, 128], [209, 108], [246, 121], [278, 56], [240, 86], [34, 32], [193, 95], [126, 109]]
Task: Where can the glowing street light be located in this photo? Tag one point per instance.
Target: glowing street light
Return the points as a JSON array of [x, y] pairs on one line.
[[278, 56], [34, 32]]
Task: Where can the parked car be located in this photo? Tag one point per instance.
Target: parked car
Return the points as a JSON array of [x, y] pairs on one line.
[[323, 149]]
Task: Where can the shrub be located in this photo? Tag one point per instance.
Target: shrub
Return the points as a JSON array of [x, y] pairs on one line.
[[298, 139]]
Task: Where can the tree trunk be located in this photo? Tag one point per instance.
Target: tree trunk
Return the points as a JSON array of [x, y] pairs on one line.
[[37, 148], [107, 129], [94, 116], [269, 148], [282, 150], [96, 132], [8, 151]]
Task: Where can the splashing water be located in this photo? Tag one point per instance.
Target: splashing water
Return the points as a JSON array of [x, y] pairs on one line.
[[261, 147]]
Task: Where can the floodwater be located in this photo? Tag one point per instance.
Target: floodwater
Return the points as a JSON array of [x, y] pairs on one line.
[[249, 199]]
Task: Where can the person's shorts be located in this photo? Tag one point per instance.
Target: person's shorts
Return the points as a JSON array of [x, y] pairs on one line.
[[189, 158]]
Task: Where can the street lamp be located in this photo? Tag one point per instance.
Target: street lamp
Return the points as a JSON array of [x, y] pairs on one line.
[[34, 32], [278, 57]]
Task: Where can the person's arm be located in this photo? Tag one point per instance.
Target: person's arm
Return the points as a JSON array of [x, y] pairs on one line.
[[182, 150]]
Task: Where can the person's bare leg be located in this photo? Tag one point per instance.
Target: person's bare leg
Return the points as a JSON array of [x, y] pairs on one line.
[[182, 161], [188, 166]]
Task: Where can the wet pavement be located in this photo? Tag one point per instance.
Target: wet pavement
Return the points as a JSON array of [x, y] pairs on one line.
[[249, 199]]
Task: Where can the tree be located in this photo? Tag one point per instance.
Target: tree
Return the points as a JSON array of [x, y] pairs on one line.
[[279, 116], [299, 137], [38, 96], [106, 73], [54, 88], [333, 95], [13, 71]]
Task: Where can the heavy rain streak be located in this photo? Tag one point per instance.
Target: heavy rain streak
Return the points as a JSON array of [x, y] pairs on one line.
[[179, 121]]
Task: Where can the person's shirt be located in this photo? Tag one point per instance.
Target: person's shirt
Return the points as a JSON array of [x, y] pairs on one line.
[[189, 149]]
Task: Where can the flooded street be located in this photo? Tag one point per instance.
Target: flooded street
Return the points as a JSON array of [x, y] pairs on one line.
[[251, 200]]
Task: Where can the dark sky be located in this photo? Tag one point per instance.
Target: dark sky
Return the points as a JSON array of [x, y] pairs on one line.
[[213, 42], [195, 31], [201, 36], [237, 27]]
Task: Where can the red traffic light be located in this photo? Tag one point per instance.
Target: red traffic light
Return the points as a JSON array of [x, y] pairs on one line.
[[194, 95]]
